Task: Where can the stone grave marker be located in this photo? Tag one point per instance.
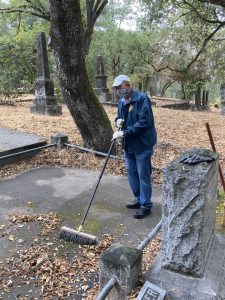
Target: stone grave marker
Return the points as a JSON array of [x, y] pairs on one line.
[[44, 101], [192, 258], [101, 86]]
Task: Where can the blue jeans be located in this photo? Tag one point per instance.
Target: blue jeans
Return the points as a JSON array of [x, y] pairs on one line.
[[139, 170]]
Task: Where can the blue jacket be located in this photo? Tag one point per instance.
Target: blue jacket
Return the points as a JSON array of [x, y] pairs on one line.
[[139, 126]]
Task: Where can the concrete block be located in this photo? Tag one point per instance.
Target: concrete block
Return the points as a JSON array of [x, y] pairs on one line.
[[125, 264], [60, 139]]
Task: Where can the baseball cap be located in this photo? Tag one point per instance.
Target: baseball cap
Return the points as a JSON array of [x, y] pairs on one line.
[[119, 79]]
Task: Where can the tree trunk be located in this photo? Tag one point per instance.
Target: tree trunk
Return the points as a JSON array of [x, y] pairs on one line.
[[66, 35]]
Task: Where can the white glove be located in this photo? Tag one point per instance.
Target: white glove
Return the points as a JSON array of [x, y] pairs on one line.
[[117, 134], [119, 123]]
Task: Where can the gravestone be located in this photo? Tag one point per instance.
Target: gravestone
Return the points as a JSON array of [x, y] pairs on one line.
[[222, 93], [192, 259], [189, 213], [101, 85], [44, 101]]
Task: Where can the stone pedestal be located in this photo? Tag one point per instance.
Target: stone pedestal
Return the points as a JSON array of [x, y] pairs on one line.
[[222, 93], [183, 287], [44, 101], [124, 263], [101, 82], [103, 94]]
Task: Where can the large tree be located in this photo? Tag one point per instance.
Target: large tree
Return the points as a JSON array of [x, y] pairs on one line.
[[69, 41], [66, 35]]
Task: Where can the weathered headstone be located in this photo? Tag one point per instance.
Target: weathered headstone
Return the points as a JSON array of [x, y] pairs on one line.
[[124, 263], [101, 85], [189, 206], [222, 93], [44, 101], [191, 254]]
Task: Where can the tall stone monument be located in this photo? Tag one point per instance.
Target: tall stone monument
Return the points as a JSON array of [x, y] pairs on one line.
[[191, 264], [222, 93], [44, 101], [101, 85]]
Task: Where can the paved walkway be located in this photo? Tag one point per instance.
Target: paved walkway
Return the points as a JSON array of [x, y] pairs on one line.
[[68, 191]]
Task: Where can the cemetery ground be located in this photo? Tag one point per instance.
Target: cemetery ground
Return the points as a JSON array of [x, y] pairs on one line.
[[45, 266]]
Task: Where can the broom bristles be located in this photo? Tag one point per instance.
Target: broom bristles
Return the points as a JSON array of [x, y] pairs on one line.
[[75, 236]]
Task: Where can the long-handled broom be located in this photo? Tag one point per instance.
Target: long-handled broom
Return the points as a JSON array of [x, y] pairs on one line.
[[77, 236]]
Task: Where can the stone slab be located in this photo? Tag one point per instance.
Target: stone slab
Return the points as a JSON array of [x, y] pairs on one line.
[[14, 140], [182, 287]]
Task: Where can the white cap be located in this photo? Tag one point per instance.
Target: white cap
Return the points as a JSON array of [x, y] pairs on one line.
[[119, 79]]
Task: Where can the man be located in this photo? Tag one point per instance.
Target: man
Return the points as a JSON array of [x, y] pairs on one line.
[[137, 129]]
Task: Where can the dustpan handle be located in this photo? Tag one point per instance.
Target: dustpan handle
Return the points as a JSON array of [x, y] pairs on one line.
[[99, 178]]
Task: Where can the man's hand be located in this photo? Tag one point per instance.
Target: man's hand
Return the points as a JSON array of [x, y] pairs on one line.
[[118, 134], [119, 123]]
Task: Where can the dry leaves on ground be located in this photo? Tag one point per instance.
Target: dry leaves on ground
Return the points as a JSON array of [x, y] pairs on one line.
[[177, 131], [48, 265]]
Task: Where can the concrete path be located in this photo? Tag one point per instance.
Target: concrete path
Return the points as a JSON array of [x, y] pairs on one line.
[[68, 191]]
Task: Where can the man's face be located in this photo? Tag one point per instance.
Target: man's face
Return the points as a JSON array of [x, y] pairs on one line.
[[123, 90]]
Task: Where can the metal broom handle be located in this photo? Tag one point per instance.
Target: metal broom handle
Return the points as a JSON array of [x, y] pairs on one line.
[[100, 176]]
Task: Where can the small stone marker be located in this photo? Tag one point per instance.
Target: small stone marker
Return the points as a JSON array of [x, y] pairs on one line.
[[151, 292], [59, 139]]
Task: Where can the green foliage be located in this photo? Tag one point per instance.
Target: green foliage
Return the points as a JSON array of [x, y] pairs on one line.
[[18, 51], [167, 37]]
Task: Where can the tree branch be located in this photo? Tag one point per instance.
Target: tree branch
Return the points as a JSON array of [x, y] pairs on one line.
[[94, 9], [215, 2], [200, 15], [24, 9], [207, 39]]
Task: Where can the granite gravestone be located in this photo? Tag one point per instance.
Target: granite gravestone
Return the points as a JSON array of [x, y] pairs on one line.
[[189, 206], [191, 264], [101, 86], [44, 101]]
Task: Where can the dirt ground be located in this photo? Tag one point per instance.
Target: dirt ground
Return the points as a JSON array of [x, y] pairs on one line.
[[177, 131]]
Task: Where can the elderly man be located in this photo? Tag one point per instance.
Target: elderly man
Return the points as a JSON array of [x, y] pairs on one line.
[[135, 118]]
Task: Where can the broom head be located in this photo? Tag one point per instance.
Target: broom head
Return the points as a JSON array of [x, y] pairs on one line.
[[77, 237]]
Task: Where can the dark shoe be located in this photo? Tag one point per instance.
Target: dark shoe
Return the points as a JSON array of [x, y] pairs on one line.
[[142, 213], [134, 205]]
